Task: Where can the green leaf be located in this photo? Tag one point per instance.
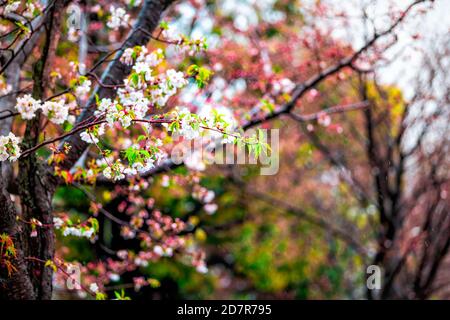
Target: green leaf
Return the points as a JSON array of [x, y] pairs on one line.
[[94, 223], [134, 79], [164, 25], [267, 105], [192, 70], [141, 138], [23, 27], [100, 296]]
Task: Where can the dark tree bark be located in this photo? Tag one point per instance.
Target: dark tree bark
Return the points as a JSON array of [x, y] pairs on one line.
[[18, 285]]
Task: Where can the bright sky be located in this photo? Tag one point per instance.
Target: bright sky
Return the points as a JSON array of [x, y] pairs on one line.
[[432, 26]]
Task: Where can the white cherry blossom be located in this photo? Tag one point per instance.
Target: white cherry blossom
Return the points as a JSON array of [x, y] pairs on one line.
[[115, 171], [143, 68], [127, 57], [9, 147], [118, 18], [11, 7], [29, 11], [83, 88], [176, 78], [56, 111], [27, 106]]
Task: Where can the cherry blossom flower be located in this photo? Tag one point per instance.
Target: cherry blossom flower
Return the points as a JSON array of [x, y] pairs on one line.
[[56, 112], [127, 57], [71, 119], [58, 222], [115, 171], [83, 88], [30, 10], [139, 282], [158, 250], [143, 167], [170, 33], [312, 95], [155, 58], [209, 196], [114, 277], [201, 268], [324, 119], [122, 254], [105, 105], [284, 85], [93, 287], [176, 78], [90, 135], [165, 182], [118, 18], [27, 106], [188, 124], [78, 232], [143, 68], [9, 147], [210, 208], [211, 113], [140, 262], [11, 7]]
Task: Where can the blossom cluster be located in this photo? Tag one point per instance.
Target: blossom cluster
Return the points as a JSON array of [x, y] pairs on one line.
[[88, 229], [9, 147], [198, 260], [118, 18], [142, 90], [159, 87], [56, 111], [31, 8], [142, 160], [205, 196], [284, 85], [11, 7], [114, 171], [91, 134], [182, 42], [213, 124], [161, 240], [83, 86], [159, 237], [214, 121], [27, 106]]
